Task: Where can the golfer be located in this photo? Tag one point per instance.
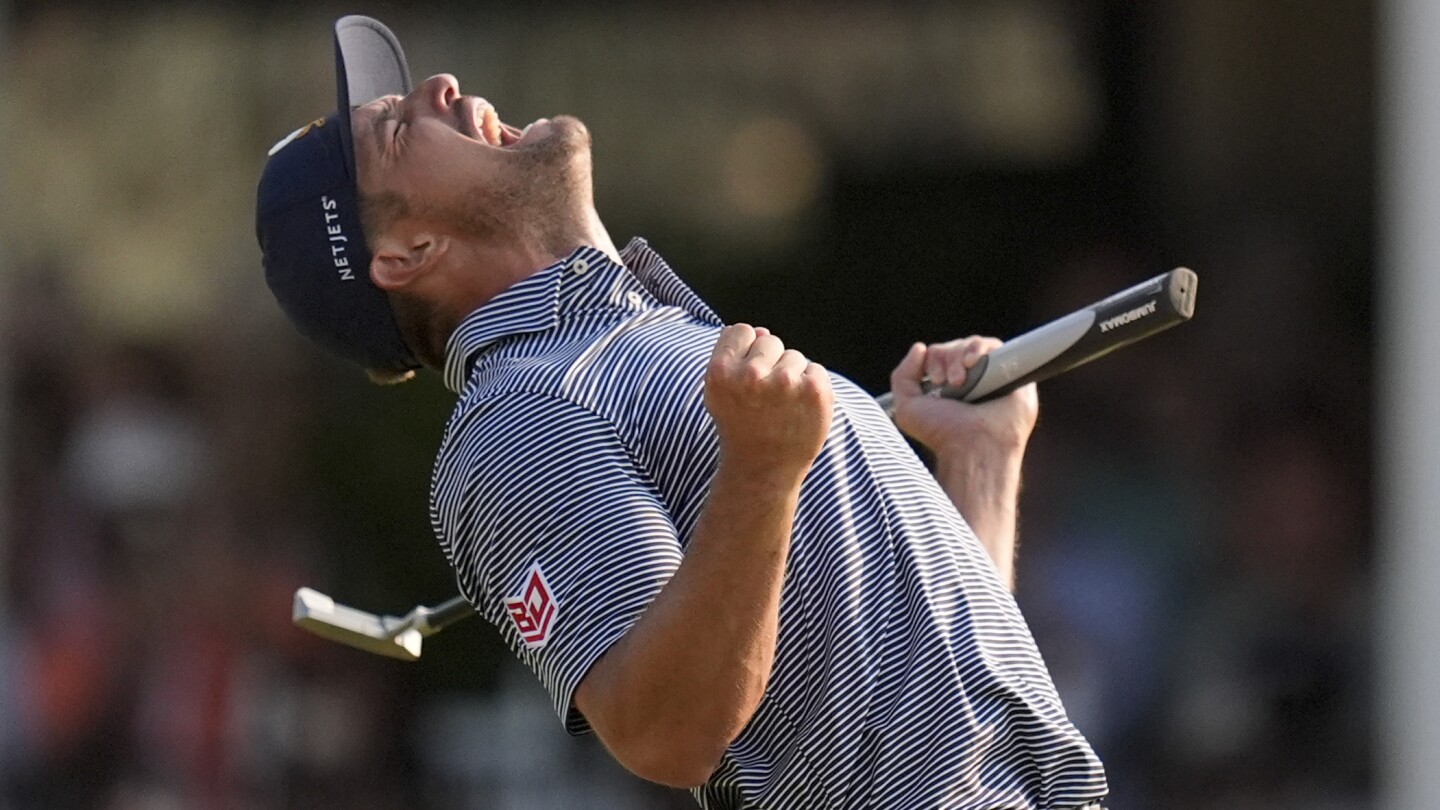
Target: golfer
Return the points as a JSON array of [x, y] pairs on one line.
[[716, 554]]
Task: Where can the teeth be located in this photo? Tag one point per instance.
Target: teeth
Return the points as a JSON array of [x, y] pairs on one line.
[[492, 126]]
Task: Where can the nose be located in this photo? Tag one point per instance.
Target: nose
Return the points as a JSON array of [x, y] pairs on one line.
[[439, 92]]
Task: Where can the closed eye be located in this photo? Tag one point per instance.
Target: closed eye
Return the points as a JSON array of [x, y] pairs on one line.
[[388, 113]]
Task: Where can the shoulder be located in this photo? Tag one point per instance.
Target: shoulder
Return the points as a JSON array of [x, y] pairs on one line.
[[497, 431], [520, 470]]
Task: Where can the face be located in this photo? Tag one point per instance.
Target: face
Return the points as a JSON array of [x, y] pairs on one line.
[[456, 165]]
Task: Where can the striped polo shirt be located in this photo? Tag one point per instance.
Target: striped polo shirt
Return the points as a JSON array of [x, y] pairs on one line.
[[572, 475]]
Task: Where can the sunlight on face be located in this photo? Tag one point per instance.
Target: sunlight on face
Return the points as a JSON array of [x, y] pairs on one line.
[[453, 162]]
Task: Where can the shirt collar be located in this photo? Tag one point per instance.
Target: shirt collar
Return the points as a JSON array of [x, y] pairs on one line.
[[535, 304]]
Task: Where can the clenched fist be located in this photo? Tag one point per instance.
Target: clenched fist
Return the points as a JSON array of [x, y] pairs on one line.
[[771, 406]]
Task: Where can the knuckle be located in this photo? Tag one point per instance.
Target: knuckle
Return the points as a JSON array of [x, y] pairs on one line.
[[741, 332], [751, 373]]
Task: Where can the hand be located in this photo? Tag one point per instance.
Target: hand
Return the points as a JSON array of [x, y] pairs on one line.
[[946, 426], [771, 406]]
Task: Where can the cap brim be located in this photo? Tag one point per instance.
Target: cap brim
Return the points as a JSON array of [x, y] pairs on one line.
[[369, 64]]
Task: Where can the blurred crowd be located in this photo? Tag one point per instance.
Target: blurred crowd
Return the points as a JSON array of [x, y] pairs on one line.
[[154, 544], [1194, 562], [1196, 549]]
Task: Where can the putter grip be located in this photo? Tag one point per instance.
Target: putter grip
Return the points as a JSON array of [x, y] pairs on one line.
[[1130, 315]]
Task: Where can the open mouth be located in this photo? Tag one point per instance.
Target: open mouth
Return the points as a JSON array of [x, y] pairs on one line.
[[479, 120]]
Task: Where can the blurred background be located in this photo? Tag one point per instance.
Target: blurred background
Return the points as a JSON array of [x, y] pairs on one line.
[[1198, 555]]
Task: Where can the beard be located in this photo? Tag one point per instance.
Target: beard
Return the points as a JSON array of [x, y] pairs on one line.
[[541, 196]]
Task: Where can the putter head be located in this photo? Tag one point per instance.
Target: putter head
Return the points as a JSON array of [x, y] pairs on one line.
[[382, 635]]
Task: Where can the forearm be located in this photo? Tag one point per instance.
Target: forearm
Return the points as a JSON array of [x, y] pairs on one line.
[[984, 484], [978, 447], [680, 686]]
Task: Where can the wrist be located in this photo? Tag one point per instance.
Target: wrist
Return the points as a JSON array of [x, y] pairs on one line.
[[983, 477], [994, 444], [761, 476], [991, 456]]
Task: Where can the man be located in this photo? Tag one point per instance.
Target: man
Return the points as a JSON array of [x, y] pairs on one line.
[[714, 553]]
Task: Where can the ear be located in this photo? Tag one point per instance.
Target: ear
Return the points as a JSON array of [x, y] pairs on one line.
[[402, 257]]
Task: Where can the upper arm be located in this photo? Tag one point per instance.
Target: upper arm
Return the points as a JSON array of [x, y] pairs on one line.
[[556, 534]]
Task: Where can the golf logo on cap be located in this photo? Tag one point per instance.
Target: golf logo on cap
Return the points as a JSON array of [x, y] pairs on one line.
[[299, 133], [534, 610]]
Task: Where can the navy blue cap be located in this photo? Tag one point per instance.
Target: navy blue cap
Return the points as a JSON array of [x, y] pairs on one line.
[[307, 212]]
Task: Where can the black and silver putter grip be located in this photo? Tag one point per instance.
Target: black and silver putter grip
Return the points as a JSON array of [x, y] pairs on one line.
[[1138, 312]]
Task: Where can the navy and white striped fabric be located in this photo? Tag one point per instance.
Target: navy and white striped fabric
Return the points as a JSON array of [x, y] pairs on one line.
[[905, 676]]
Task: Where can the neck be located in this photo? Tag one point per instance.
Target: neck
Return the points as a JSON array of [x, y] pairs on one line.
[[597, 237], [481, 271]]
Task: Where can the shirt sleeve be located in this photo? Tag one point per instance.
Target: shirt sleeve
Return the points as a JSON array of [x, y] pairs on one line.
[[556, 535]]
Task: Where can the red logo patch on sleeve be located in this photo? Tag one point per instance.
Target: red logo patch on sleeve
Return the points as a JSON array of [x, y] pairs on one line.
[[534, 610]]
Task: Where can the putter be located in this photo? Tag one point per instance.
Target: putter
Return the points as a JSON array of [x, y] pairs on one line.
[[393, 636], [1132, 314]]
